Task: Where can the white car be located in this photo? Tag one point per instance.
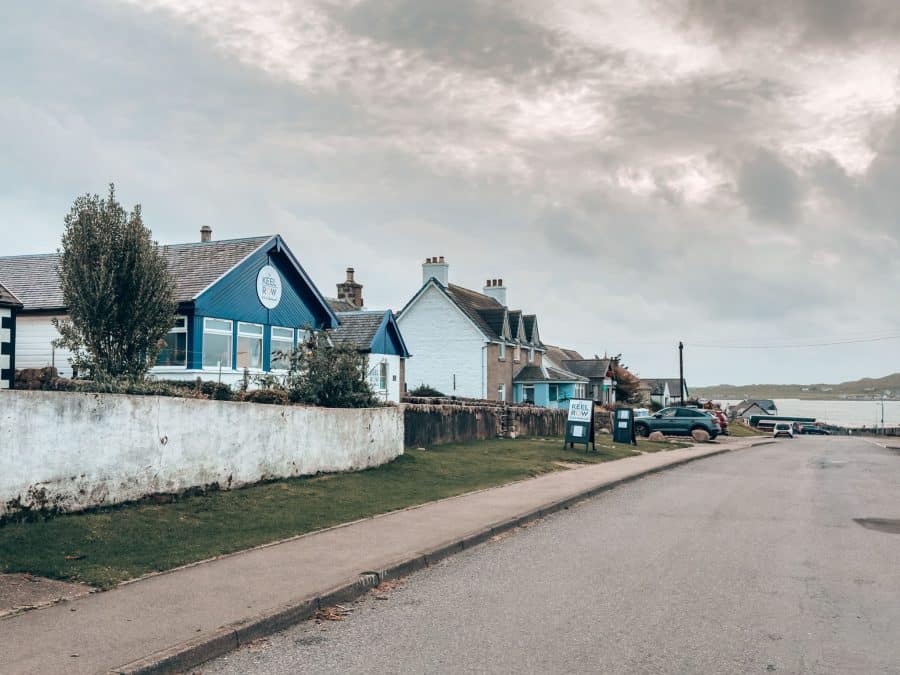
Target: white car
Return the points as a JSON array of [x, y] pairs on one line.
[[783, 429]]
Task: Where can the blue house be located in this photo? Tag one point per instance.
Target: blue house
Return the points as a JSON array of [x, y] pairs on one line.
[[241, 304], [547, 386]]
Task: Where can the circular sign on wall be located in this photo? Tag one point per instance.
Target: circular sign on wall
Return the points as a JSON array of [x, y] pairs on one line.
[[268, 287]]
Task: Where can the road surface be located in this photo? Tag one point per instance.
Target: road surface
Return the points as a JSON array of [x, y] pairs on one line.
[[751, 562]]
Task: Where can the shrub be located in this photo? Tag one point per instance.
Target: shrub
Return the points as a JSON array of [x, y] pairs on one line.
[[270, 396], [424, 390], [329, 375]]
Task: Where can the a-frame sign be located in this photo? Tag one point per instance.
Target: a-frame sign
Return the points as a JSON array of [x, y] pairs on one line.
[[580, 424]]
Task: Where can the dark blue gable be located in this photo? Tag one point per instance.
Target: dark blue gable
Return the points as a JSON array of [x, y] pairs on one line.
[[388, 339], [234, 297]]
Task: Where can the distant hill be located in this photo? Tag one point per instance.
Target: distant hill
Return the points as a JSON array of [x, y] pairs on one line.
[[866, 388]]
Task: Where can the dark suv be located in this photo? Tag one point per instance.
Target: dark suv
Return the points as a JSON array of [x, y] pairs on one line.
[[680, 421]]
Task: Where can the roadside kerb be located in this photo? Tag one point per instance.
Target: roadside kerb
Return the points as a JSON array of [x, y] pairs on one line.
[[192, 653]]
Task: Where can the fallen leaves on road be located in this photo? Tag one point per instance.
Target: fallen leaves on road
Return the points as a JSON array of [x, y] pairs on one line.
[[336, 613]]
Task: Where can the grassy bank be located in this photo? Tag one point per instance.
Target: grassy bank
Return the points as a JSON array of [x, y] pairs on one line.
[[740, 430], [106, 547]]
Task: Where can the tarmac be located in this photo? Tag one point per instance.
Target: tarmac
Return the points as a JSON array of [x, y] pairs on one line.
[[176, 620]]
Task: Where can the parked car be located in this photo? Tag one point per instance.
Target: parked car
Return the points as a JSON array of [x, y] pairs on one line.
[[812, 429], [677, 421], [783, 429], [720, 417]]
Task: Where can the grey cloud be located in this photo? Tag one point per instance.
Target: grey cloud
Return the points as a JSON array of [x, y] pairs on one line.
[[475, 33], [814, 22], [769, 188]]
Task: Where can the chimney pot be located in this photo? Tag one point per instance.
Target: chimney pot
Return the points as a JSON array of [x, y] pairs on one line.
[[350, 274], [499, 282], [442, 259], [206, 233]]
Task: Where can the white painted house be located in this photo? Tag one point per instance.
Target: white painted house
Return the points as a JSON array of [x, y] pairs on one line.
[[471, 345]]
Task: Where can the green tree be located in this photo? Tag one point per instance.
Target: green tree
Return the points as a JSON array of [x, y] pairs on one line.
[[328, 375], [116, 287]]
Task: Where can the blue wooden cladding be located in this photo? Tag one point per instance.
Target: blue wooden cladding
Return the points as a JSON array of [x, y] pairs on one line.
[[234, 297]]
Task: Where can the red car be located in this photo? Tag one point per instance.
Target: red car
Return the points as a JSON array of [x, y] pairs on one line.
[[719, 416]]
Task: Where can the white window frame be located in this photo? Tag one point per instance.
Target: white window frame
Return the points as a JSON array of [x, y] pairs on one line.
[[288, 344], [518, 354], [525, 389], [501, 393], [383, 376], [178, 330], [502, 351], [531, 355], [218, 331], [243, 332]]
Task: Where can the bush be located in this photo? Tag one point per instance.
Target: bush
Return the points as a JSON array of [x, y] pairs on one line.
[[426, 391], [270, 396], [333, 376]]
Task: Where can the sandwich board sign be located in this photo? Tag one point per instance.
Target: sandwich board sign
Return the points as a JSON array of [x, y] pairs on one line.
[[580, 424]]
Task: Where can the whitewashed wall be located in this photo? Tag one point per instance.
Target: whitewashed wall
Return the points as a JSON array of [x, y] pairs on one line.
[[443, 343], [85, 450], [34, 348]]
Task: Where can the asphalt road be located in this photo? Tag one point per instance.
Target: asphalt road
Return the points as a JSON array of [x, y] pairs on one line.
[[749, 562]]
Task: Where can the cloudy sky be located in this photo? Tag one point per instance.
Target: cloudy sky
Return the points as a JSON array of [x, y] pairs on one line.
[[724, 173]]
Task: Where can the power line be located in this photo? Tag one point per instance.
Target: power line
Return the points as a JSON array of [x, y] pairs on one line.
[[796, 345]]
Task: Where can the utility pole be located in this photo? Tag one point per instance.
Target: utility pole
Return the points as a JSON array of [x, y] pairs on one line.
[[882, 414], [681, 372]]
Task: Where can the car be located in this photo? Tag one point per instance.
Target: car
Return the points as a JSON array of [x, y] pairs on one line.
[[812, 429], [720, 417], [783, 429], [677, 421]]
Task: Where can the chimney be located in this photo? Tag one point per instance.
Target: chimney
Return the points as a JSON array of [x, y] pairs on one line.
[[206, 233], [494, 288], [350, 291], [437, 268]]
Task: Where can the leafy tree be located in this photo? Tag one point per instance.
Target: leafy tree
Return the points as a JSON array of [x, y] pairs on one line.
[[117, 289], [627, 384], [328, 375]]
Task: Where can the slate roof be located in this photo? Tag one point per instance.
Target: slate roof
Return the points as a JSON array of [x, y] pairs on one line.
[[767, 405], [342, 305], [530, 321], [558, 354], [592, 368], [546, 373], [357, 328], [515, 318], [473, 303], [657, 385], [7, 299], [34, 280]]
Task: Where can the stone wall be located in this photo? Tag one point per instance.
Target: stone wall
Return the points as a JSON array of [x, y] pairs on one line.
[[435, 421], [70, 451]]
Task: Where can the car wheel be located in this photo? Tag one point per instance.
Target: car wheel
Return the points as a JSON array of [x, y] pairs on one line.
[[642, 430]]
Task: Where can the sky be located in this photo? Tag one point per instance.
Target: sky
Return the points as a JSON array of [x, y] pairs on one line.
[[724, 174]]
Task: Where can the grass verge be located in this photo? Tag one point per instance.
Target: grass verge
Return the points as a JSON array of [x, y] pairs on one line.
[[107, 547], [740, 430]]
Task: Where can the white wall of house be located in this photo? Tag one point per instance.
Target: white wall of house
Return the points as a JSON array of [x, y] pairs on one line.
[[446, 347], [34, 348], [391, 392], [83, 450]]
